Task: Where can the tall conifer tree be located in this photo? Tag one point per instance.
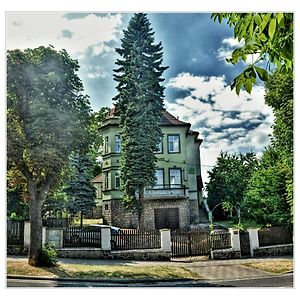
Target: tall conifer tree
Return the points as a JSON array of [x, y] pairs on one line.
[[139, 103]]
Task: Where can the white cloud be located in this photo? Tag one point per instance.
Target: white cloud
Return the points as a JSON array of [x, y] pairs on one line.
[[43, 28], [248, 131], [228, 46]]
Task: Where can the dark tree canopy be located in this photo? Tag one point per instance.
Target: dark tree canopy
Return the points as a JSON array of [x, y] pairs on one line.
[[139, 103]]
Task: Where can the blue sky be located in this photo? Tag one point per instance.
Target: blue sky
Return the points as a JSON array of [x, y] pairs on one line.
[[197, 81]]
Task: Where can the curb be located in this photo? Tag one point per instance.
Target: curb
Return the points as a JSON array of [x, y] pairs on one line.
[[113, 280]]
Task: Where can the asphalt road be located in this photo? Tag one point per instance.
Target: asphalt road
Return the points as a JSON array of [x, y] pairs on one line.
[[274, 281]]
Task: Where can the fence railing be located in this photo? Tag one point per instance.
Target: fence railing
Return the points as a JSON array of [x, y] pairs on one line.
[[270, 236], [127, 239], [220, 240], [15, 232], [88, 236]]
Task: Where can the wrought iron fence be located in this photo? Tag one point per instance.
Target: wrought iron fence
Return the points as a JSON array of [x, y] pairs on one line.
[[220, 240], [15, 232], [274, 236], [127, 239], [87, 236]]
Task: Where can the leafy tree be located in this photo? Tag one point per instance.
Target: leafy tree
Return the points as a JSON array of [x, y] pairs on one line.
[[270, 190], [228, 181], [47, 119], [81, 192], [265, 199], [269, 36], [139, 103]]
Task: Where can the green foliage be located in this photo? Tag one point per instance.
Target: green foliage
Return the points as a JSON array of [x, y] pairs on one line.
[[269, 36], [228, 181], [265, 200], [269, 197], [139, 103], [48, 257], [80, 191], [47, 115]]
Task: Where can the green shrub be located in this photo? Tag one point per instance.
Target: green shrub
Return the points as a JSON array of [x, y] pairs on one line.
[[48, 257]]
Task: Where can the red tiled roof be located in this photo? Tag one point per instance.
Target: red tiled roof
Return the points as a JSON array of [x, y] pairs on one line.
[[168, 119], [98, 178]]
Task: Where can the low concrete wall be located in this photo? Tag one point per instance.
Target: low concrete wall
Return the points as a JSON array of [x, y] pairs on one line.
[[276, 250], [90, 253], [225, 254]]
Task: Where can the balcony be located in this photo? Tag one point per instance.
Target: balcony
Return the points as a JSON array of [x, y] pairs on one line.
[[166, 191]]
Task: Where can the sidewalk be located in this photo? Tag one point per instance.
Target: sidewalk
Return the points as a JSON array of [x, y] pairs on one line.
[[208, 269]]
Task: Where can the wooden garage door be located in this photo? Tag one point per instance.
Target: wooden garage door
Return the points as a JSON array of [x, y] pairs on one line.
[[166, 218]]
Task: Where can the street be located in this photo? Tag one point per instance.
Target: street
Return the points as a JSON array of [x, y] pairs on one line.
[[274, 281]]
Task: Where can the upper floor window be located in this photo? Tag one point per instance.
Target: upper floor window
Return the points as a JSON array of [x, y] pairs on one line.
[[173, 143], [160, 146], [117, 143], [106, 144], [175, 177]]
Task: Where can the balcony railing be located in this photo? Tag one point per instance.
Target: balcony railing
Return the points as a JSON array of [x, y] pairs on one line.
[[167, 191]]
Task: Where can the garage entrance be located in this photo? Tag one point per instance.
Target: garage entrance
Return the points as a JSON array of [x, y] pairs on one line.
[[166, 218]]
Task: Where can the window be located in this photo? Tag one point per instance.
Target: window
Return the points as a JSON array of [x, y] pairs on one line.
[[106, 144], [117, 180], [175, 178], [117, 143], [159, 173], [106, 207], [106, 180], [173, 143], [160, 146], [99, 191]]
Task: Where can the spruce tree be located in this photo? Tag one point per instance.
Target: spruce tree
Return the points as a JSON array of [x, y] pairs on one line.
[[139, 103], [81, 192]]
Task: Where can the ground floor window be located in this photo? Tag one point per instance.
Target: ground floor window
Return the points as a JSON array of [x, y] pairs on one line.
[[166, 218]]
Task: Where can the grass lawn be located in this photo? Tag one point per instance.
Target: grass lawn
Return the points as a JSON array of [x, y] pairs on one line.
[[276, 266], [98, 272]]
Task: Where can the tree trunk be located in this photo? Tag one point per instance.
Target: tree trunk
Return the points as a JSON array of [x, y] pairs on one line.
[[36, 198], [141, 218]]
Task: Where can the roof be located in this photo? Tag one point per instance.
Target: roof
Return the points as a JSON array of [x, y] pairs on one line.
[[98, 178], [169, 119]]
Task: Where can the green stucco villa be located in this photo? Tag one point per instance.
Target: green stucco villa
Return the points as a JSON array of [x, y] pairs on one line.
[[176, 199]]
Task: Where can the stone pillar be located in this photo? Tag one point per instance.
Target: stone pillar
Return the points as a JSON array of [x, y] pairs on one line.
[[105, 238], [253, 239], [27, 234], [165, 239], [235, 239]]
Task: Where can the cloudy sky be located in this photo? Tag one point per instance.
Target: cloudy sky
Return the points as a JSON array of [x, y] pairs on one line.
[[197, 81]]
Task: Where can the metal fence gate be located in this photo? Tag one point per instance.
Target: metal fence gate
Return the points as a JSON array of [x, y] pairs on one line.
[[197, 242]]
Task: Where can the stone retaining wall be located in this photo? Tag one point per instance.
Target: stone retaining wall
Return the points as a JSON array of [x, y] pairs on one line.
[[88, 253], [17, 250], [276, 250], [225, 254]]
